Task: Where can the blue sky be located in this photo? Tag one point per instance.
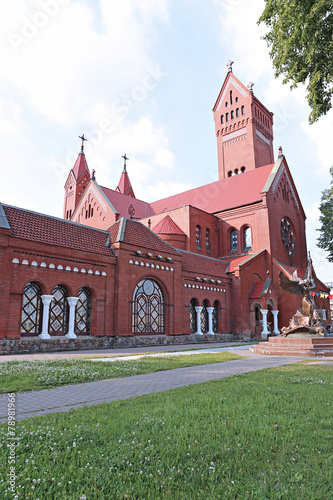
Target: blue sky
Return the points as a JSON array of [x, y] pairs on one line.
[[141, 77]]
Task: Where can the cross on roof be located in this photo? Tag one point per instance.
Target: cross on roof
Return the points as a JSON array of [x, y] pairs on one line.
[[125, 158], [82, 139], [229, 65]]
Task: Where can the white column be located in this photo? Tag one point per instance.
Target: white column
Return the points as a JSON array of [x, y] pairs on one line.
[[265, 331], [210, 320], [198, 310], [46, 299], [72, 303], [276, 329]]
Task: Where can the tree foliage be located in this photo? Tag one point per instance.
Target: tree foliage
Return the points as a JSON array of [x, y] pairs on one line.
[[325, 240], [301, 47]]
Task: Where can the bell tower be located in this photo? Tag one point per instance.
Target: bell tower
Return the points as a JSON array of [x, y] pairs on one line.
[[76, 183], [243, 127]]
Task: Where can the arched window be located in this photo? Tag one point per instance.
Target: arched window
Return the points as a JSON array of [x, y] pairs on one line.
[[227, 117], [82, 312], [193, 317], [243, 110], [222, 118], [207, 240], [198, 237], [236, 171], [234, 241], [230, 173], [237, 112], [58, 321], [31, 310], [204, 317], [232, 114], [148, 308], [288, 236], [242, 170], [215, 317], [231, 100], [247, 238]]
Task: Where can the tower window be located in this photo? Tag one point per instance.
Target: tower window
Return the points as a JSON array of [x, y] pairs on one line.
[[247, 238], [232, 114], [207, 240], [226, 104], [229, 173], [242, 170], [237, 111], [234, 241], [198, 237], [243, 110], [222, 118], [227, 117], [231, 101]]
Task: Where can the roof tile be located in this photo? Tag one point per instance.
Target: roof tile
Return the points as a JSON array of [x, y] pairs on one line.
[[167, 226], [236, 191], [135, 233], [46, 229]]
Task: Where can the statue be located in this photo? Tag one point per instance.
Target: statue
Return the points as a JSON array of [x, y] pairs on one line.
[[307, 322]]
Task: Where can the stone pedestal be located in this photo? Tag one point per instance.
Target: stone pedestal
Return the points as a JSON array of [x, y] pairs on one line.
[[296, 346]]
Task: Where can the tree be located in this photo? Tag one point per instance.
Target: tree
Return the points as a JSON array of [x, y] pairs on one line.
[[325, 240], [301, 47]]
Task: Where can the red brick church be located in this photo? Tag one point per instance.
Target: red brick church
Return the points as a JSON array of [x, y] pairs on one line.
[[197, 265]]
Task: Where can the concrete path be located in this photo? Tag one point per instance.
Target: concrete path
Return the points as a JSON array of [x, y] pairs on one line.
[[42, 356], [69, 397]]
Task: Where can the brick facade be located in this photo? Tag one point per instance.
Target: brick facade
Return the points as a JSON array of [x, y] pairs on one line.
[[146, 268]]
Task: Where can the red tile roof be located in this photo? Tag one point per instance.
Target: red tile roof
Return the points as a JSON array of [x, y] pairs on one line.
[[290, 270], [257, 290], [46, 229], [135, 233], [167, 226], [121, 203], [203, 265], [80, 166], [225, 194], [238, 260]]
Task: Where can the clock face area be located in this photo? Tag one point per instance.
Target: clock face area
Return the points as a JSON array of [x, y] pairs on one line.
[[288, 236]]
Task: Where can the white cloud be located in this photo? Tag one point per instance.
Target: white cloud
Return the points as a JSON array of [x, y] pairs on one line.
[[313, 212]]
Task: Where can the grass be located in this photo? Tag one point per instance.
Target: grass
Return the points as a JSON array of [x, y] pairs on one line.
[[18, 376], [261, 435]]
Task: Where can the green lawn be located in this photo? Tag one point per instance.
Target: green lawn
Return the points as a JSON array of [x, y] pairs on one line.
[[262, 435], [21, 376]]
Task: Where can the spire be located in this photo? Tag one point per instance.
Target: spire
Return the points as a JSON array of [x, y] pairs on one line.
[[76, 183], [81, 164], [124, 184]]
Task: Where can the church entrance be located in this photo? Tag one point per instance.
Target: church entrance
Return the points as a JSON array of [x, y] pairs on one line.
[[255, 321]]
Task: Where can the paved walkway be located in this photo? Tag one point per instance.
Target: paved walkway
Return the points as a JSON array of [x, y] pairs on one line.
[[69, 397], [115, 352]]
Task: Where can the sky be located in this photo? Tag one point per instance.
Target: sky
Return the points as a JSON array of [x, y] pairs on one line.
[[141, 77]]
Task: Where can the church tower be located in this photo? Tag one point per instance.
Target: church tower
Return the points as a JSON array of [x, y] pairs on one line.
[[77, 180], [124, 184], [243, 127]]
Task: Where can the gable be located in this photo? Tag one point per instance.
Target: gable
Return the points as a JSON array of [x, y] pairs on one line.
[[281, 184], [93, 197], [230, 82]]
